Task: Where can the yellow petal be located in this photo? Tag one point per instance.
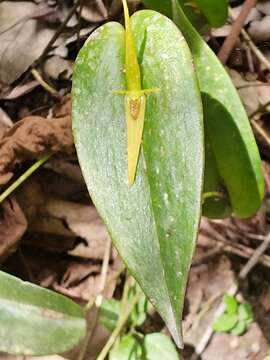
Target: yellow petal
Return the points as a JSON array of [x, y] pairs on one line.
[[135, 113]]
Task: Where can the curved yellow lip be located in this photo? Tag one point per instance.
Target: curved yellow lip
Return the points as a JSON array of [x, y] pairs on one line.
[[135, 100]]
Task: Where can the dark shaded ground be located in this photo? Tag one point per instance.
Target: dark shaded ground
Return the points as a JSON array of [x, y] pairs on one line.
[[51, 235]]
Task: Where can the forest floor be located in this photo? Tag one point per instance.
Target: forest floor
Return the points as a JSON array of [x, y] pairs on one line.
[[51, 234]]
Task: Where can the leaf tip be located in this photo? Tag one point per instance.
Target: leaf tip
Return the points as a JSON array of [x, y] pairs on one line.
[[176, 333], [178, 339]]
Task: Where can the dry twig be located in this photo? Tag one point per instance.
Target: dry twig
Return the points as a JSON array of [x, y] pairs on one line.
[[58, 32], [260, 56], [260, 110], [43, 83], [230, 41], [255, 257], [98, 299]]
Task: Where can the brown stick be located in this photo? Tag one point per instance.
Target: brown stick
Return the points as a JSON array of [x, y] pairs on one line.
[[231, 39], [255, 258], [260, 110], [260, 56], [98, 299]]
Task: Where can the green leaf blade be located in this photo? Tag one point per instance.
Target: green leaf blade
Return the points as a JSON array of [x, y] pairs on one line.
[[36, 321], [215, 205], [158, 346], [245, 312], [162, 6], [216, 11], [225, 322], [153, 223], [109, 313], [127, 348], [227, 126], [231, 304], [239, 329], [165, 146]]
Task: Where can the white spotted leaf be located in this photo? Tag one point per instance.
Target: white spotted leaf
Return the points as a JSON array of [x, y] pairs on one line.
[[37, 321], [153, 223]]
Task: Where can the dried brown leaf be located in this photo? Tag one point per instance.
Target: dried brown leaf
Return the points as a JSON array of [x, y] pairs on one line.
[[5, 123], [251, 345], [23, 37], [56, 66], [83, 221], [253, 94], [207, 282], [13, 225], [259, 30], [94, 12], [32, 137], [264, 7], [19, 90]]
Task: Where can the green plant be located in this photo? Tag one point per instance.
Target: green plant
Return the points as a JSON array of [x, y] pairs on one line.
[[235, 159], [143, 219], [154, 222], [199, 12], [236, 318], [36, 321], [189, 162], [131, 343]]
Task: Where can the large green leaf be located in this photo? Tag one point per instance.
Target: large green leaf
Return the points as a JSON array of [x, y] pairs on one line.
[[216, 11], [36, 321], [227, 126], [165, 7], [213, 206], [162, 6], [153, 223]]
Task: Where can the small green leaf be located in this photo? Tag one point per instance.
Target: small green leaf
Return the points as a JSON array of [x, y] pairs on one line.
[[36, 321], [139, 313], [159, 347], [239, 329], [231, 304], [245, 312], [249, 321], [225, 322], [109, 313], [127, 348]]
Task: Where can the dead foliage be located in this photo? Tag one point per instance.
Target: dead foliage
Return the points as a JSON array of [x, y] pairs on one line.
[[13, 225], [31, 138], [60, 235]]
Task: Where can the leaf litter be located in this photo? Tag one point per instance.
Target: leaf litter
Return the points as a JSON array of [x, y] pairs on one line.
[[23, 37], [60, 236]]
